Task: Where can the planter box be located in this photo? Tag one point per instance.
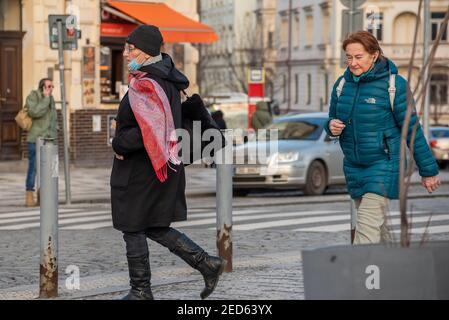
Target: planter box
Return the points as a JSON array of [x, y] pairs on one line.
[[375, 272]]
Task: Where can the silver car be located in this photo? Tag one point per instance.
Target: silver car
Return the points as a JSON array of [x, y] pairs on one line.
[[306, 158], [439, 143]]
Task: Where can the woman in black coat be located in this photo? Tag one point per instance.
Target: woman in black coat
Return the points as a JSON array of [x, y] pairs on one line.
[[146, 201]]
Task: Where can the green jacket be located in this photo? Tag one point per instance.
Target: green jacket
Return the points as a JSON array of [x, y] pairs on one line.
[[261, 118], [372, 136], [43, 112]]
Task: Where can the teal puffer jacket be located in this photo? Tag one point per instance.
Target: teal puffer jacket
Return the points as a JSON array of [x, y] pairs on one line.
[[371, 138]]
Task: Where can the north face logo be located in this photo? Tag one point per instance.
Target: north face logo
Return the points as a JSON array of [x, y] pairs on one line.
[[370, 101]]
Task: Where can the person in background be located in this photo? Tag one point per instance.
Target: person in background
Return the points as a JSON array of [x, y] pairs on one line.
[[218, 117], [40, 105], [262, 117]]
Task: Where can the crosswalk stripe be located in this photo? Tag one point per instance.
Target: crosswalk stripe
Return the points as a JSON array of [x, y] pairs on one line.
[[391, 223], [60, 223], [60, 216], [30, 213], [245, 218], [177, 224], [80, 219], [89, 226], [262, 211], [431, 229]]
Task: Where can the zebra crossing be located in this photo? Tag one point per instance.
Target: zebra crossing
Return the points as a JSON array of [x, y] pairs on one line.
[[288, 218]]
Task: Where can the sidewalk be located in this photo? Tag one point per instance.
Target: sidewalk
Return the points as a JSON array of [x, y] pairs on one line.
[[266, 265]]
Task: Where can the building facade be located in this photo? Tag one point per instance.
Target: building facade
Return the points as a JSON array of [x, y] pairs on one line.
[[95, 74], [246, 30], [309, 63]]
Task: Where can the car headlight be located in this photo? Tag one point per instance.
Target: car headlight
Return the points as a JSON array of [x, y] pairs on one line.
[[285, 157]]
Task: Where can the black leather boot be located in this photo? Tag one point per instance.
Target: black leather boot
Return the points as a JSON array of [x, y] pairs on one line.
[[210, 267], [139, 275]]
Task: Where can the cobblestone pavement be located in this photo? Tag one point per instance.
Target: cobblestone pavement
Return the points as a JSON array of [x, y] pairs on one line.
[[102, 251], [267, 264]]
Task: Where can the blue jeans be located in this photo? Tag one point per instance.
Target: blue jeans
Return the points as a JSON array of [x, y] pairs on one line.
[[31, 175]]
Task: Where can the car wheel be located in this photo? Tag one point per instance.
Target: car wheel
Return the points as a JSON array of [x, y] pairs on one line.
[[240, 192], [316, 182]]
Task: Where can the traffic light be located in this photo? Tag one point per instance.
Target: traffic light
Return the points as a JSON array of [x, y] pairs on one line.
[[70, 34]]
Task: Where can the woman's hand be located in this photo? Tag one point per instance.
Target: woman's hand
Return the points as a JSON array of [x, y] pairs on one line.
[[431, 183], [336, 127], [119, 157]]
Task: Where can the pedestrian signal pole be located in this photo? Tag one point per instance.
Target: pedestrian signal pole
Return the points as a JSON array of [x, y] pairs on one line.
[[63, 37]]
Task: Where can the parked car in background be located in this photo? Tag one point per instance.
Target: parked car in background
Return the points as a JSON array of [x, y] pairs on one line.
[[306, 158], [439, 143]]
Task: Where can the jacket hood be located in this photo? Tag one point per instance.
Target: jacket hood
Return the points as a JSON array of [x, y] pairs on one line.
[[166, 70], [382, 68]]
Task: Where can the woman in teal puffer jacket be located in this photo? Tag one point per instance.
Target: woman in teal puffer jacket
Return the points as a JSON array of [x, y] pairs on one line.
[[369, 130]]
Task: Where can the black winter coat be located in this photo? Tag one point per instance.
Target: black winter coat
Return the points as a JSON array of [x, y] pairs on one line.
[[139, 200]]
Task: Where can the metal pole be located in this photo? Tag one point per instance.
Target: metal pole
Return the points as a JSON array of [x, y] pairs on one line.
[[426, 42], [224, 210], [289, 60], [64, 115], [351, 18], [39, 144], [353, 219], [48, 281]]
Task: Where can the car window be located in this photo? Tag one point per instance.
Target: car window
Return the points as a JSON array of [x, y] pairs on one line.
[[299, 129], [440, 133]]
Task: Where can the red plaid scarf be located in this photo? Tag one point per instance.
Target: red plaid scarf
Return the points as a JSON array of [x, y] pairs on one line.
[[151, 108]]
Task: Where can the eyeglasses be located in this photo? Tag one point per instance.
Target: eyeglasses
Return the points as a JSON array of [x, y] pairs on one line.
[[50, 87], [128, 48]]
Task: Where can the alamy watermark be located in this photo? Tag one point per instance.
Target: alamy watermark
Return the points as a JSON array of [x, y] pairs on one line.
[[73, 280], [372, 282], [238, 147]]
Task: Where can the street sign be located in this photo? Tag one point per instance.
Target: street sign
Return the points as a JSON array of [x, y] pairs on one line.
[[256, 75], [70, 34], [356, 3], [357, 22]]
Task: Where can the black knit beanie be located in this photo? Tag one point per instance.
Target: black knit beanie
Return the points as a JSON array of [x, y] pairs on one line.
[[147, 38]]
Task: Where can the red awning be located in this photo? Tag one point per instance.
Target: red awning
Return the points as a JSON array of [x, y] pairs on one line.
[[174, 26]]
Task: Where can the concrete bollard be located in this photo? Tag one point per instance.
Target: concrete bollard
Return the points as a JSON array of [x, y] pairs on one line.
[[48, 281]]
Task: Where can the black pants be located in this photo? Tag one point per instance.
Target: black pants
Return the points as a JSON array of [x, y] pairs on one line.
[[136, 242]]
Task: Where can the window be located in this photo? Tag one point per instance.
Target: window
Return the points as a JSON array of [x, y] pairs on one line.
[[295, 31], [309, 89], [325, 26], [299, 128], [375, 24], [296, 88], [404, 28], [436, 20], [284, 33], [309, 30], [439, 89], [270, 40]]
